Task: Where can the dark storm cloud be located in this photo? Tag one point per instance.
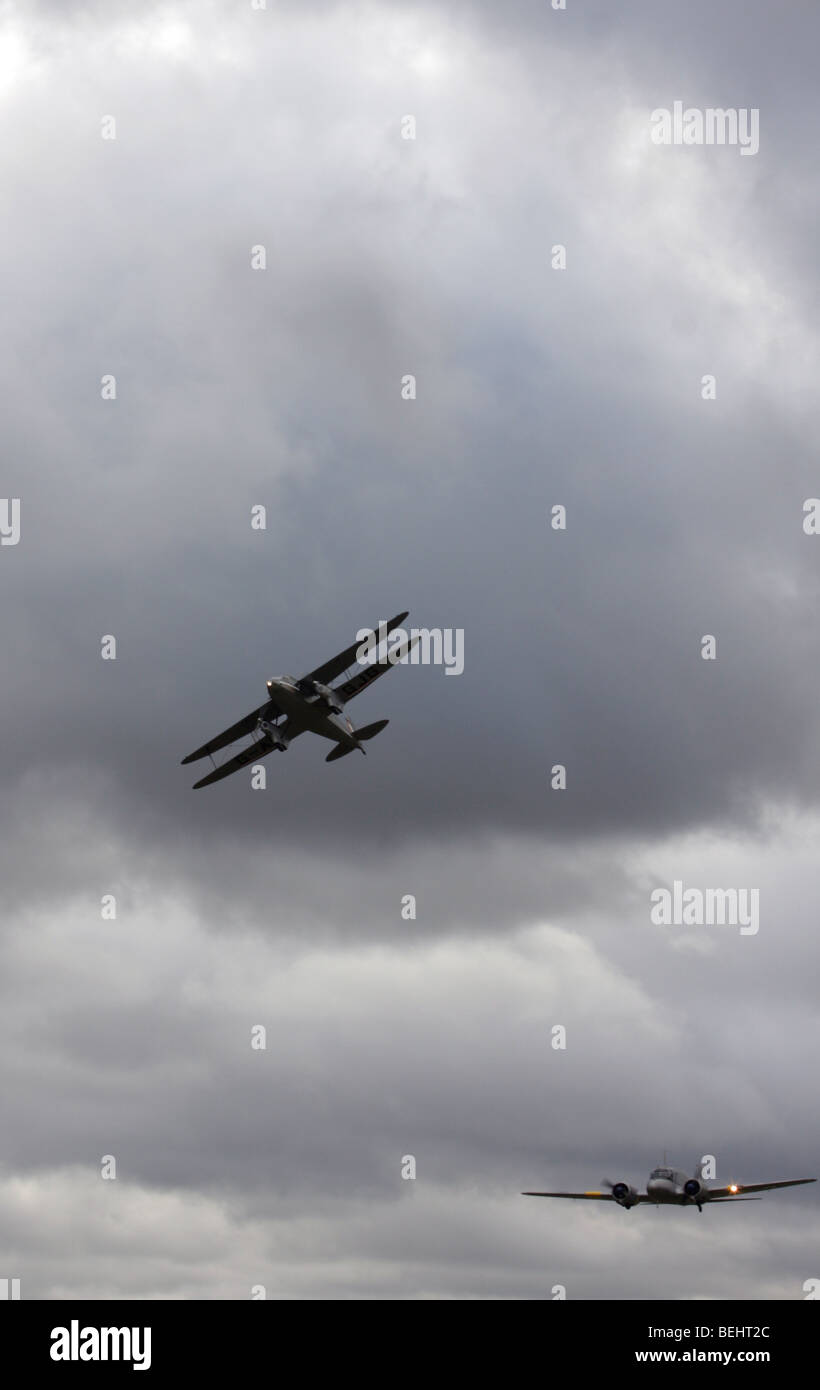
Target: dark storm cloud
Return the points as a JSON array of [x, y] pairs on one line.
[[454, 1066], [283, 907], [236, 388]]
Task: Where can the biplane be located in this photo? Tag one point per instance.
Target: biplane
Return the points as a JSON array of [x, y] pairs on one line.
[[310, 705]]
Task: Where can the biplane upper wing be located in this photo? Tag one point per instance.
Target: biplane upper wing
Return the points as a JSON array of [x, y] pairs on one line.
[[237, 730], [333, 668], [250, 754], [369, 674]]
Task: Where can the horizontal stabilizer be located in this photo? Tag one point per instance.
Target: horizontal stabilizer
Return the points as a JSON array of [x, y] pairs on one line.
[[339, 751], [370, 730]]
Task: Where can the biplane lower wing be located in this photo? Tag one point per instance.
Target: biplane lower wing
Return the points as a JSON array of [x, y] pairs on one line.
[[251, 754], [371, 673], [329, 670], [236, 731]]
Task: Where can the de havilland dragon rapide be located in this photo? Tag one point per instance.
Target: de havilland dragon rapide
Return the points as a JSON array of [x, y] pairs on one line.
[[309, 705]]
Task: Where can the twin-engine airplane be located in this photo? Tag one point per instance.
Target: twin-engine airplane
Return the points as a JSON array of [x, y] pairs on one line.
[[668, 1187], [309, 704]]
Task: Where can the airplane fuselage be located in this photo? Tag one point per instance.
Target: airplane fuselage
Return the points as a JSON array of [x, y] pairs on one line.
[[309, 710], [669, 1186]]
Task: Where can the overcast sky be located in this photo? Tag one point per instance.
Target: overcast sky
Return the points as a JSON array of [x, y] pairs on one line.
[[238, 387]]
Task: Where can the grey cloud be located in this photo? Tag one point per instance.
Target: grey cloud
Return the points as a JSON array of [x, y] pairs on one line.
[[236, 388]]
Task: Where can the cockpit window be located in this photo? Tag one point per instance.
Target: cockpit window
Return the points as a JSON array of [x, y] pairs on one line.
[[662, 1173]]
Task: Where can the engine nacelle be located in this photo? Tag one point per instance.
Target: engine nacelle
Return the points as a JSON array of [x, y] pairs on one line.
[[328, 697], [274, 733], [693, 1189], [624, 1195]]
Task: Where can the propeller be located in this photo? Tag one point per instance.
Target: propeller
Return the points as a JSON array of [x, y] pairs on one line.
[[623, 1193]]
